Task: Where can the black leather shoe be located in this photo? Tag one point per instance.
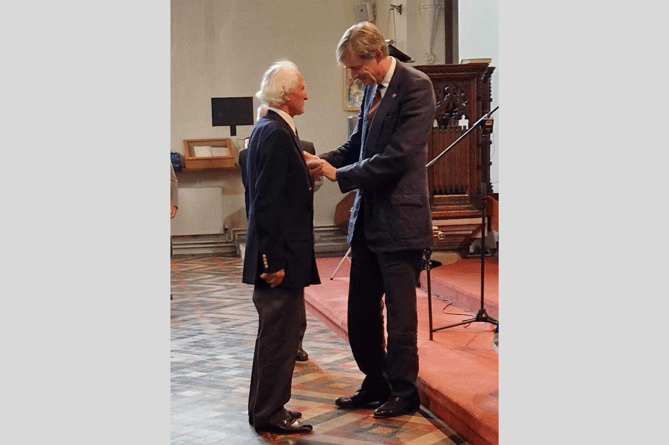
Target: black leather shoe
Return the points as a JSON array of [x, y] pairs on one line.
[[362, 399], [293, 414], [397, 406], [286, 426], [302, 355]]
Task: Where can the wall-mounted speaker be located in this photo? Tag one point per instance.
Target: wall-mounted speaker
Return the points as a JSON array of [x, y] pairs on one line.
[[364, 12]]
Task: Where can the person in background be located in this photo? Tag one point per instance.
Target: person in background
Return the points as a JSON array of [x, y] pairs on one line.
[[279, 259], [307, 146], [390, 225], [174, 192], [174, 197]]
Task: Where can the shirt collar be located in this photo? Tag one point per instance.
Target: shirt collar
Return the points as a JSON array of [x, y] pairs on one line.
[[286, 117], [389, 75]]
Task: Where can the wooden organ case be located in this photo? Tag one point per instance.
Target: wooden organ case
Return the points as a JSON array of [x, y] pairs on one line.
[[455, 181]]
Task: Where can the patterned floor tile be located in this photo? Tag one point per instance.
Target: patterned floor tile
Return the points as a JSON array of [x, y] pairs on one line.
[[213, 329]]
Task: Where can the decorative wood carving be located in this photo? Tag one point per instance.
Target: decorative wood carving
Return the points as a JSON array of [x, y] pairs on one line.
[[462, 92]]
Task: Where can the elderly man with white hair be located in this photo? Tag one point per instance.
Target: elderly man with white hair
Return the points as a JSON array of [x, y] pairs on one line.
[[279, 260]]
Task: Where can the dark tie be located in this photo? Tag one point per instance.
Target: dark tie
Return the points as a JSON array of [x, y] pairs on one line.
[[375, 105]]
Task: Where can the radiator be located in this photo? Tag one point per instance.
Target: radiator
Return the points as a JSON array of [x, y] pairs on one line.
[[200, 212]]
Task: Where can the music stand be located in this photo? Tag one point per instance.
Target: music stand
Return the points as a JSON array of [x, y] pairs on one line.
[[481, 315]]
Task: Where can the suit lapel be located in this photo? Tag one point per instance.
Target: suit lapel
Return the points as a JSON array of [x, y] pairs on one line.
[[280, 122], [372, 133]]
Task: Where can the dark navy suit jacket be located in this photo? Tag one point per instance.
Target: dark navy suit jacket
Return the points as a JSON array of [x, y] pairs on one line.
[[304, 145]]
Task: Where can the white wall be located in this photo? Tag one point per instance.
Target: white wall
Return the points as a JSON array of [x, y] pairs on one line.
[[407, 29], [222, 48]]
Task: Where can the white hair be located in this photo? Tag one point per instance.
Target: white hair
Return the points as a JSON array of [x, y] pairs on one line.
[[280, 79], [261, 111]]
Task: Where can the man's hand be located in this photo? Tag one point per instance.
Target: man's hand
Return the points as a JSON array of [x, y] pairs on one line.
[[274, 278], [312, 160], [319, 167], [309, 157]]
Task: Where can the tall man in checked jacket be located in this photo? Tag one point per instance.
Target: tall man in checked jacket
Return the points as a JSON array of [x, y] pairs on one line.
[[390, 226], [279, 259]]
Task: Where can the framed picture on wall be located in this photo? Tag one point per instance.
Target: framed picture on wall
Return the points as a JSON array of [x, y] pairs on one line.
[[352, 122], [353, 90]]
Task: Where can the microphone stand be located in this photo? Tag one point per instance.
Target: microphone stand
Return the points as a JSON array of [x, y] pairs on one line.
[[482, 315]]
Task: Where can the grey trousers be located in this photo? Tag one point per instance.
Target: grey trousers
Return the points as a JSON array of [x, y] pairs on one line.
[[274, 356]]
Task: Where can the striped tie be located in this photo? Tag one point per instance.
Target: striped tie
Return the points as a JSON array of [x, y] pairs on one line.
[[375, 105]]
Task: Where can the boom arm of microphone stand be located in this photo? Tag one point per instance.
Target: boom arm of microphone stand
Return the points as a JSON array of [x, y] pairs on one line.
[[476, 124]]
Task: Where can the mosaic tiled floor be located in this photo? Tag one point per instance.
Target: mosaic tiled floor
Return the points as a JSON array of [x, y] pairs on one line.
[[213, 328]]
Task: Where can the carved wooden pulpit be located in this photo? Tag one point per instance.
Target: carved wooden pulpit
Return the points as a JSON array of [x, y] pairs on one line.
[[456, 180]]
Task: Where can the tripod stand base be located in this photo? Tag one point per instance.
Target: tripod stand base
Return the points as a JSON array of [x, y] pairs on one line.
[[481, 316], [346, 257]]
